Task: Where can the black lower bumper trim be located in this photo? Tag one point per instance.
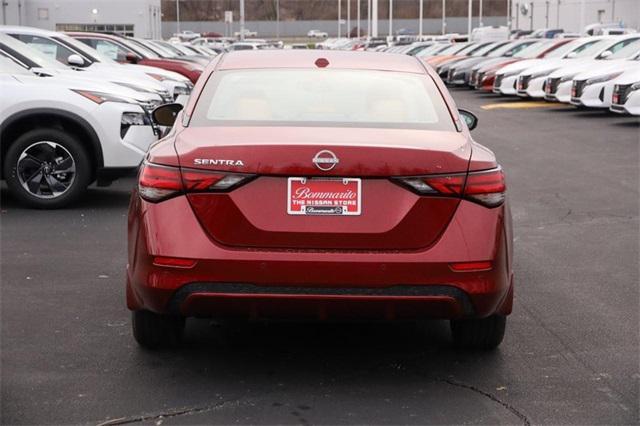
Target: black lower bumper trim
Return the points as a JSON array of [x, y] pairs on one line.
[[397, 290]]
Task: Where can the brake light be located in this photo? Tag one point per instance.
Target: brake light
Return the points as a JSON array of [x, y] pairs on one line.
[[157, 183], [485, 187]]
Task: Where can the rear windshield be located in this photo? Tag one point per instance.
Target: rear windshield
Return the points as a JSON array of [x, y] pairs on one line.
[[322, 97]]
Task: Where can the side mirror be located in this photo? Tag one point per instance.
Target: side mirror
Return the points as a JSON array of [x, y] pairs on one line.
[[131, 58], [470, 119], [165, 115], [75, 60], [606, 54], [571, 55]]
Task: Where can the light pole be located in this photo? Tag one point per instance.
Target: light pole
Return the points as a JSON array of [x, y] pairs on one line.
[[277, 18], [178, 16], [369, 19], [421, 16], [242, 20], [339, 18], [469, 23], [444, 17], [348, 18], [390, 18], [480, 15], [558, 14], [374, 18], [358, 13]]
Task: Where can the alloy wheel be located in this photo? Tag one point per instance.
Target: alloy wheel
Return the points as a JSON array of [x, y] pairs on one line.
[[46, 169]]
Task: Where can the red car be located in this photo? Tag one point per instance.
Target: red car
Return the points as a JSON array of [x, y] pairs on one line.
[[322, 185], [123, 50]]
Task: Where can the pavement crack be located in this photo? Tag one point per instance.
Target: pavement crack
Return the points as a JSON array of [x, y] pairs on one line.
[[492, 397], [168, 414]]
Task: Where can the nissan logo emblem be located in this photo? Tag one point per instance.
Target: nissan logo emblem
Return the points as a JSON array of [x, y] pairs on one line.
[[325, 160]]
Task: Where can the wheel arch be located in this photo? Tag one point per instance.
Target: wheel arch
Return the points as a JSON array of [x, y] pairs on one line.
[[23, 121]]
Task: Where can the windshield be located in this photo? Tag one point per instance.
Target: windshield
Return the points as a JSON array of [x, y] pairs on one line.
[[627, 51], [91, 53], [454, 48], [469, 48], [139, 49], [327, 97], [593, 48], [39, 59], [534, 49], [433, 50], [559, 52], [480, 51], [510, 48], [487, 51]]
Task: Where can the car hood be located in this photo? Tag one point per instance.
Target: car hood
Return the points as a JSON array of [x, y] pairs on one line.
[[607, 67], [468, 63], [519, 66], [490, 63], [158, 71], [77, 83], [118, 74], [630, 76]]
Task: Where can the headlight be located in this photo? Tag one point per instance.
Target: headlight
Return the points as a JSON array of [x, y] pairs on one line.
[[100, 97], [132, 119], [181, 90], [603, 78], [635, 86]]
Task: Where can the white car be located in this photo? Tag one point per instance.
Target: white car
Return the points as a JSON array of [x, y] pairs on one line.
[[594, 88], [558, 84], [60, 134], [36, 60], [506, 77], [72, 52], [317, 34], [247, 33], [626, 93]]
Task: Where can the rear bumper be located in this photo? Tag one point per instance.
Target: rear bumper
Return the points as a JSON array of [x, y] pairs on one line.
[[321, 284]]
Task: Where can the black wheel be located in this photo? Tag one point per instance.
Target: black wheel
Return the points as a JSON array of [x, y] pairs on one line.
[[154, 331], [478, 334], [47, 168]]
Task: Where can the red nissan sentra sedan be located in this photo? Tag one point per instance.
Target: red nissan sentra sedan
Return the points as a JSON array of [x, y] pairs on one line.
[[323, 185]]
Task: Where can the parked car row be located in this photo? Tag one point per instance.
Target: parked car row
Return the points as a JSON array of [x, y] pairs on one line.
[[77, 107], [588, 72]]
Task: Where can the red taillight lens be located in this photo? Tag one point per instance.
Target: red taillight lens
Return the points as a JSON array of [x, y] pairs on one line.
[[485, 187], [157, 183], [470, 266]]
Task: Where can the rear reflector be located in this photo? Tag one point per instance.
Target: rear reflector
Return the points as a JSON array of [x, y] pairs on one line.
[[157, 183], [174, 262], [470, 266], [486, 187]]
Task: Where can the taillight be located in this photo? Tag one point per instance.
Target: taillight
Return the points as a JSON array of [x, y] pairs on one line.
[[157, 183], [485, 187]]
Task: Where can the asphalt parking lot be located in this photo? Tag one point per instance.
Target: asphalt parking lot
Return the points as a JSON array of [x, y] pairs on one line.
[[570, 355]]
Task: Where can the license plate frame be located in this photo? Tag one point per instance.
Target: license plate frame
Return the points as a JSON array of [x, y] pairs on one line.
[[345, 201]]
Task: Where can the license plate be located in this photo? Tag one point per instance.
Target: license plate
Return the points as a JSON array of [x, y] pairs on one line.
[[324, 197]]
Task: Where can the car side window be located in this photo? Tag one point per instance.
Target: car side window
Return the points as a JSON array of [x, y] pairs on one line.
[[47, 47], [110, 49]]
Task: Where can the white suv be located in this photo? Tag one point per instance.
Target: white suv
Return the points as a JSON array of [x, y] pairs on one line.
[[60, 134]]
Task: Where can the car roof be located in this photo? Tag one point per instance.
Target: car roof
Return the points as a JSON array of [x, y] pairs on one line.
[[15, 29], [307, 59]]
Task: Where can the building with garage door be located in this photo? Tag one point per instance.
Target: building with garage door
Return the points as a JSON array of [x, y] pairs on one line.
[[140, 18]]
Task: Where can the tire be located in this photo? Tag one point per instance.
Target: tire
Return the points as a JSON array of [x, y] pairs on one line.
[[479, 334], [154, 331], [47, 168]]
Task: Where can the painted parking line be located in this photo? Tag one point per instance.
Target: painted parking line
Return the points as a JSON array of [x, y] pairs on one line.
[[525, 105]]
